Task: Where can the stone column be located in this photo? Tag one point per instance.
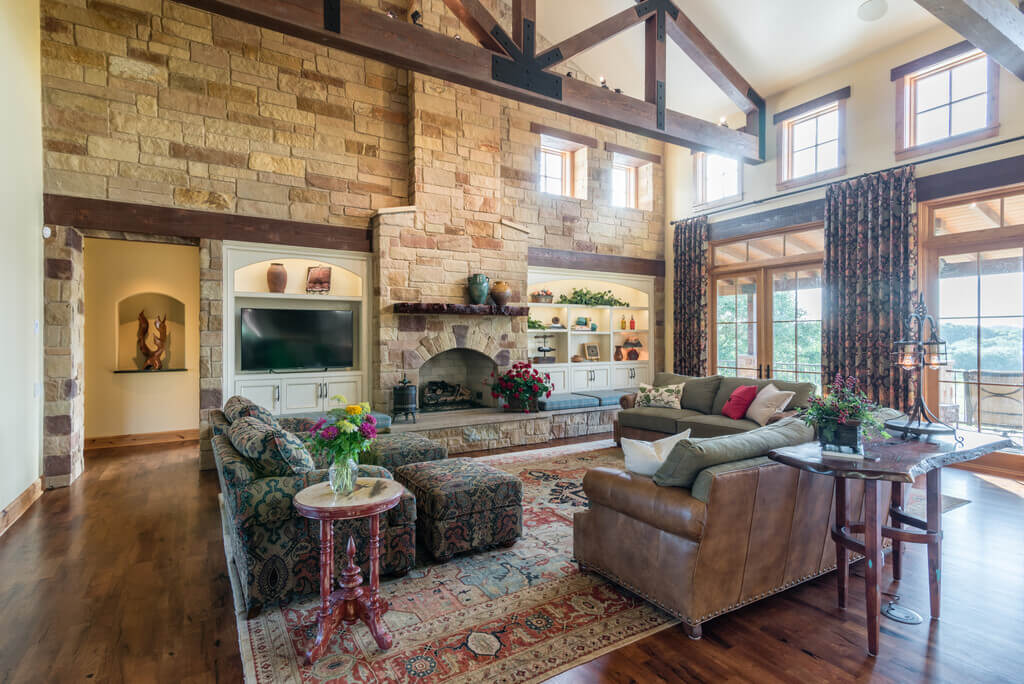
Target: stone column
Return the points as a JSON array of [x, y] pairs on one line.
[[211, 343]]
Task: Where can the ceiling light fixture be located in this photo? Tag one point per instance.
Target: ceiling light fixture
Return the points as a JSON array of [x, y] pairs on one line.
[[872, 10]]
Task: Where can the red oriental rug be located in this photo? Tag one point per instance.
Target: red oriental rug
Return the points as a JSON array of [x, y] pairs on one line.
[[515, 615]]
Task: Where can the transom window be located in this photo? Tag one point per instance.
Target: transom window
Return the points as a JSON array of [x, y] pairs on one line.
[[717, 179], [814, 142]]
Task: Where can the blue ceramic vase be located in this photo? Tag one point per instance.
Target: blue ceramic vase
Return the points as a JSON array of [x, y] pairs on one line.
[[479, 288]]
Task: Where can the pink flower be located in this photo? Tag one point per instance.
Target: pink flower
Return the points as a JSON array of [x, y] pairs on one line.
[[370, 419], [368, 431], [319, 424], [330, 432]]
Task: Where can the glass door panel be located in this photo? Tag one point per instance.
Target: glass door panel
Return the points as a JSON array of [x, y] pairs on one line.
[[796, 325], [736, 317]]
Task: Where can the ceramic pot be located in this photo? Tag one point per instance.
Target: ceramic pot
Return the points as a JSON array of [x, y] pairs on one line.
[[501, 292], [479, 288], [633, 355], [342, 474], [277, 278], [618, 353], [531, 407], [844, 438]]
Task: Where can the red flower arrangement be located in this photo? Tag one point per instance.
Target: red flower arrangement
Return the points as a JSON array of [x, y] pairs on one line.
[[521, 386]]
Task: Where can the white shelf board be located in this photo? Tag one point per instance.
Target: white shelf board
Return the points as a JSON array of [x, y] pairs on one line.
[[297, 296]]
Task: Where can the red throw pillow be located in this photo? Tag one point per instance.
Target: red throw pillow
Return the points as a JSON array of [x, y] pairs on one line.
[[739, 401]]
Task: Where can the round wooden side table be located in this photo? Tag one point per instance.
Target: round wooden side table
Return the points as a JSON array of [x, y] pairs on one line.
[[350, 603]]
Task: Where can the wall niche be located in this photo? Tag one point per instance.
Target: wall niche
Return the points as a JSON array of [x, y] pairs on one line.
[[154, 307]]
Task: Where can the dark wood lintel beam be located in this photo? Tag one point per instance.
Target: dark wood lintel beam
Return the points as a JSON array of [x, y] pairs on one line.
[[588, 261]]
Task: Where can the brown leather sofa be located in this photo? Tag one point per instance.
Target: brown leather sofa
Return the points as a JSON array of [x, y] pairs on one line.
[[745, 530]]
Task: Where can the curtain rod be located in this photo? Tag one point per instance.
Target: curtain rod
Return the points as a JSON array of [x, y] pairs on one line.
[[752, 203]]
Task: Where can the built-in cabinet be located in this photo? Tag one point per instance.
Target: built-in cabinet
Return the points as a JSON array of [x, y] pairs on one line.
[[301, 392]]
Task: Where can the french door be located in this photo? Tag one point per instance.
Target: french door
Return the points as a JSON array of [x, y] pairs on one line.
[[767, 323]]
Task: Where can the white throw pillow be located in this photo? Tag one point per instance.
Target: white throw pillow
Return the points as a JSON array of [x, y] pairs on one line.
[[644, 458], [769, 401], [667, 396]]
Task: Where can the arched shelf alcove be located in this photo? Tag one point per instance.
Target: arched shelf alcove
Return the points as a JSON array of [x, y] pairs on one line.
[[251, 279], [151, 305]]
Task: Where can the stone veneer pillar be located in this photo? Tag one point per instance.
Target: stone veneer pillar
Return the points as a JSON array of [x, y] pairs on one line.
[[211, 343], [63, 358]]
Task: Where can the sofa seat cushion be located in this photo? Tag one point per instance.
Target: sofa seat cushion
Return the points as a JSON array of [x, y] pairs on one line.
[[606, 397], [567, 400], [671, 509], [691, 456], [399, 449], [657, 419], [271, 450], [716, 426]]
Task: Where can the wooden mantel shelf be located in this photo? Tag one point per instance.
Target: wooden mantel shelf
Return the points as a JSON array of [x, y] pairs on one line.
[[460, 309]]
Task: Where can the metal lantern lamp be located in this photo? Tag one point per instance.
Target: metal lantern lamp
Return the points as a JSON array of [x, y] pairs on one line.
[[913, 355]]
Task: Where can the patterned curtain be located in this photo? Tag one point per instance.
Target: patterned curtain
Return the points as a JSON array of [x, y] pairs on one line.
[[690, 297], [870, 275]]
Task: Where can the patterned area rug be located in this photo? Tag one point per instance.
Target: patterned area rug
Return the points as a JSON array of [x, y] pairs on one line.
[[515, 615]]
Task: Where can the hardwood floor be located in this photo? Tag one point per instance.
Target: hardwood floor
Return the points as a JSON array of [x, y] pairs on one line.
[[121, 578]]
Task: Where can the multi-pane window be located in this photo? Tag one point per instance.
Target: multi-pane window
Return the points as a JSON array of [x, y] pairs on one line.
[[555, 172], [717, 179], [624, 186], [814, 143]]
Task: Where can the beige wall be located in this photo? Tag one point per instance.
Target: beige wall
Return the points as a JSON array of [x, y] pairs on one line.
[[138, 403], [21, 260], [870, 131]]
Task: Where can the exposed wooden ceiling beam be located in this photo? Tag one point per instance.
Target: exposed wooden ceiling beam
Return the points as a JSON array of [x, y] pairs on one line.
[[994, 26], [655, 64], [480, 22], [706, 56], [522, 10], [595, 35], [372, 34]]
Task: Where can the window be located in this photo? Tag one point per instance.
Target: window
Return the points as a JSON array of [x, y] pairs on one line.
[[632, 177], [947, 103], [555, 171], [563, 161], [717, 179], [811, 140], [624, 186]]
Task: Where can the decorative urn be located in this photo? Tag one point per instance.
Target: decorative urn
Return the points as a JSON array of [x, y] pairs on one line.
[[479, 288], [277, 278], [501, 292]]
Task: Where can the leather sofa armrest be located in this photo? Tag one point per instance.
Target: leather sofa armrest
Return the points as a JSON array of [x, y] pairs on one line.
[[671, 509], [779, 416], [627, 401]]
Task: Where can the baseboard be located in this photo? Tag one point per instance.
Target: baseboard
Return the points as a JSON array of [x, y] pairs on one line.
[[146, 439], [1000, 464], [10, 514]]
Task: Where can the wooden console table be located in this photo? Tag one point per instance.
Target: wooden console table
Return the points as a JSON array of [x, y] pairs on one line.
[[900, 462], [350, 603]]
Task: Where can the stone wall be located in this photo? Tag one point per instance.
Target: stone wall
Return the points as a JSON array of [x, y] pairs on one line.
[[211, 343], [154, 102], [63, 357]]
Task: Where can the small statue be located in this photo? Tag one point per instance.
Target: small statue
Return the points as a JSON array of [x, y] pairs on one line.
[[154, 357]]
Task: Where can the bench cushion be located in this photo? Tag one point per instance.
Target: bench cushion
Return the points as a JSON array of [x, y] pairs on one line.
[[606, 397], [567, 400]]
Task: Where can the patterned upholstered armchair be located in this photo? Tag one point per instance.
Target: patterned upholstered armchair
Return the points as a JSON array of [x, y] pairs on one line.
[[275, 551]]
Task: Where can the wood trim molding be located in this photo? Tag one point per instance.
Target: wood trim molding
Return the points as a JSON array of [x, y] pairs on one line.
[[14, 510], [588, 261], [637, 155], [926, 61], [98, 214], [772, 219], [811, 105], [585, 140], [947, 143], [144, 439]]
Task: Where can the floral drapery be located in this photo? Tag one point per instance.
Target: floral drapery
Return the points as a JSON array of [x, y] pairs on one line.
[[870, 277], [690, 297]]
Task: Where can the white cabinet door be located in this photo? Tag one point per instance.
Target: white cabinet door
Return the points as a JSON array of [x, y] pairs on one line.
[[600, 378], [349, 388], [305, 394], [265, 393], [559, 378], [641, 375], [580, 379], [622, 377]]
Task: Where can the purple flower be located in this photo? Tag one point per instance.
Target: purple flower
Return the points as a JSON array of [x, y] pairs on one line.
[[319, 424], [368, 431], [330, 432], [369, 419]]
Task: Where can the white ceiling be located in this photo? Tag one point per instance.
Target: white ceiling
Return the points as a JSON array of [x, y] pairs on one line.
[[774, 44]]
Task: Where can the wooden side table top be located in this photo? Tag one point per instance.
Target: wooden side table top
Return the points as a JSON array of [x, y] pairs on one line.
[[371, 495], [894, 459]]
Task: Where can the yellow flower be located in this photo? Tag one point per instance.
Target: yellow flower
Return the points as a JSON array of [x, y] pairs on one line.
[[354, 410], [346, 426]]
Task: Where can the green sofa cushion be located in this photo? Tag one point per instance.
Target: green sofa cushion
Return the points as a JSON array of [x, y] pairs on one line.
[[701, 489], [699, 393], [662, 379], [802, 390], [654, 418], [715, 426], [690, 456]]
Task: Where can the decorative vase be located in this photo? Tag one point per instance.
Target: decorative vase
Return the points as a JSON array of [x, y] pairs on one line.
[[479, 288], [845, 438], [618, 352], [633, 354], [501, 292], [277, 278], [343, 473]]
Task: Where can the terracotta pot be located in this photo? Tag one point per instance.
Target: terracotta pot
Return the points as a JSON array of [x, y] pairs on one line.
[[501, 292], [531, 407], [277, 278]]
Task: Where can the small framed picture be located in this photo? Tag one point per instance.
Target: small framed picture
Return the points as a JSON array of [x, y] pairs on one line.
[[592, 352], [318, 279]]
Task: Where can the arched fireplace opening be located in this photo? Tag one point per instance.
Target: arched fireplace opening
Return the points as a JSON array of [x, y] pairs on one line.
[[456, 379]]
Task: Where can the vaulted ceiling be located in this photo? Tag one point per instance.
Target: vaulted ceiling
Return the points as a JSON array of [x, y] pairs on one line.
[[775, 45]]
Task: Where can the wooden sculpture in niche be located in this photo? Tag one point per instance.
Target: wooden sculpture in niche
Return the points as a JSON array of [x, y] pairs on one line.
[[154, 357]]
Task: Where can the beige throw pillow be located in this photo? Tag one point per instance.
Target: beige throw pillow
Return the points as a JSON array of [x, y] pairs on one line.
[[645, 458], [667, 396], [769, 401]]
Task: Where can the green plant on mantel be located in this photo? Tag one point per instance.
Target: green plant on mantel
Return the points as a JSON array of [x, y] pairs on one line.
[[582, 295], [533, 324]]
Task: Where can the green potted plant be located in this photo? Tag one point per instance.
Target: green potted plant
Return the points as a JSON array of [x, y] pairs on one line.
[[521, 387], [347, 434], [842, 416]]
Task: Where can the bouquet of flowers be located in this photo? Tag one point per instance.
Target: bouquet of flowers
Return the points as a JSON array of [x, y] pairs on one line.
[[521, 387], [343, 437]]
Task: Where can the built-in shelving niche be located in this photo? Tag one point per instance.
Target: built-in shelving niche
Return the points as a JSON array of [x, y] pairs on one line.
[[152, 305]]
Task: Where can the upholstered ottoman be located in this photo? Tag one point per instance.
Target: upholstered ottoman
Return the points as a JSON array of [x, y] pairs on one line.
[[463, 505], [401, 448]]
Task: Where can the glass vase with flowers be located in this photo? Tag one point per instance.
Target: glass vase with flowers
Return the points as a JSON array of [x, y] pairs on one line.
[[521, 387], [342, 438], [842, 416]]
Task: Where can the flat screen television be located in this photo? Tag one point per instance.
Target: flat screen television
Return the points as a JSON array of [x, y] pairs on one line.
[[296, 339]]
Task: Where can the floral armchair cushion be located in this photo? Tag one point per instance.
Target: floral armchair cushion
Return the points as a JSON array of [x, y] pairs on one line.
[[239, 407], [666, 396], [271, 450]]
